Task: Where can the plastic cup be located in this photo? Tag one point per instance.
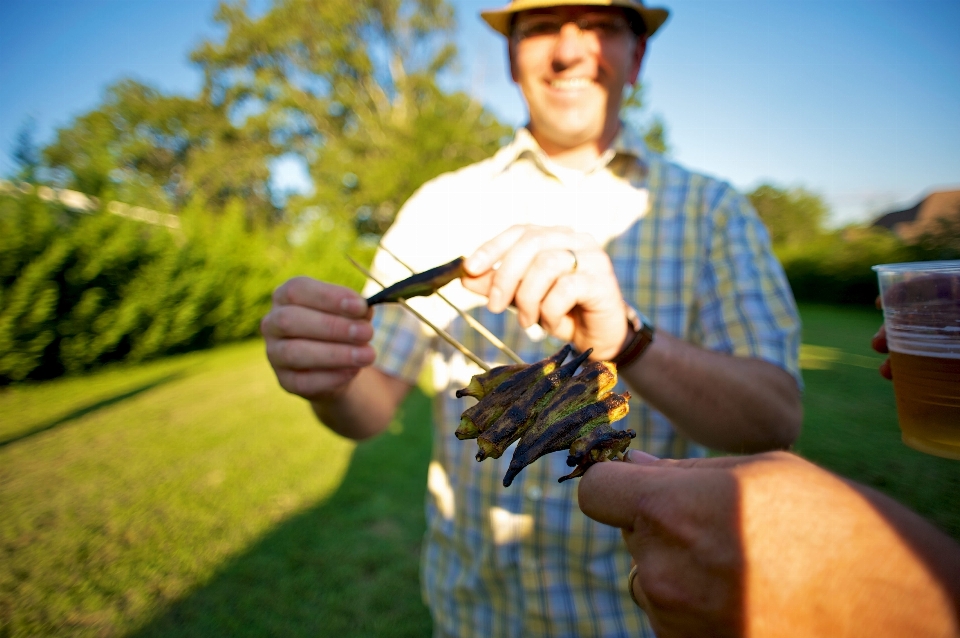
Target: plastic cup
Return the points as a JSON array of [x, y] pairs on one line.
[[921, 312]]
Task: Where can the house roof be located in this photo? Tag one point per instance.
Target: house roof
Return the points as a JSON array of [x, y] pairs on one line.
[[925, 215]]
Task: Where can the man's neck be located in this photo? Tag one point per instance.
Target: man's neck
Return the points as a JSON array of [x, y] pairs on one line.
[[581, 156]]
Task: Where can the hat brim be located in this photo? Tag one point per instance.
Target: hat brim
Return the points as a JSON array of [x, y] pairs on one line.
[[499, 19]]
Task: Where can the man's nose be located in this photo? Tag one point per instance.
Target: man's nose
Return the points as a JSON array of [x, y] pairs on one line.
[[569, 47]]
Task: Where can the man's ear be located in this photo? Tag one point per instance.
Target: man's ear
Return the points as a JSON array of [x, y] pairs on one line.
[[639, 49], [511, 56]]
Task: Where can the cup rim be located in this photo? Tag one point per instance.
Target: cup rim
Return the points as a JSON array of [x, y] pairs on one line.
[[945, 265]]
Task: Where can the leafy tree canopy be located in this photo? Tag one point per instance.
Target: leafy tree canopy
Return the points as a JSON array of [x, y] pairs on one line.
[[653, 129], [26, 154], [792, 216], [150, 149], [350, 86]]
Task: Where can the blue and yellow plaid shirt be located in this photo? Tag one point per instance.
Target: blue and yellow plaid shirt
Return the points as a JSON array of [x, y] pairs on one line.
[[688, 251]]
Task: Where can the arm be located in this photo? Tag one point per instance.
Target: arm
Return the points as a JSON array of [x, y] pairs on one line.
[[317, 336], [731, 403], [774, 545]]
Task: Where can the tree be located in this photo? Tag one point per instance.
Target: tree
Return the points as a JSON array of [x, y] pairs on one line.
[[26, 154], [157, 150], [654, 129], [791, 216], [350, 86]]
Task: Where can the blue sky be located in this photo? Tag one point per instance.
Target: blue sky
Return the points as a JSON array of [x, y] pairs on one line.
[[858, 100]]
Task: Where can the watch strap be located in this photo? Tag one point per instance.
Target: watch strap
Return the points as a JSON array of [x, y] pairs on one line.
[[643, 332]]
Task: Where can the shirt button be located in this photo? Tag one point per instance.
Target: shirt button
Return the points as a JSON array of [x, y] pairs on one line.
[[534, 493]]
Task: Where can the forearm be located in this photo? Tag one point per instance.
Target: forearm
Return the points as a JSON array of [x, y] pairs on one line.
[[365, 408], [727, 403], [926, 548], [873, 567]]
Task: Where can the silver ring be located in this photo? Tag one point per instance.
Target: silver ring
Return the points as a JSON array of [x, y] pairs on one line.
[[630, 577], [575, 261]]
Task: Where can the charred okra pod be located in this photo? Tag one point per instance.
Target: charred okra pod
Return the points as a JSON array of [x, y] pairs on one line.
[[477, 418], [594, 381], [483, 384], [420, 285], [547, 435], [512, 423], [600, 444]]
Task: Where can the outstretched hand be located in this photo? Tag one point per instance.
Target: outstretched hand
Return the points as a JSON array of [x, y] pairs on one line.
[[317, 337], [556, 277], [773, 545]]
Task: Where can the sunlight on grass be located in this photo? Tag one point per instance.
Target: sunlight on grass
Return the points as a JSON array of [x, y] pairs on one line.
[[850, 417], [143, 480], [824, 358]]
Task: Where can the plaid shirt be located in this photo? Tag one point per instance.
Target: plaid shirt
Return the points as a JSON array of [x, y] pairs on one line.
[[688, 251]]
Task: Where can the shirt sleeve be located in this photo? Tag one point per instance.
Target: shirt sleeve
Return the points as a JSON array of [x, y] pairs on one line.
[[745, 302], [400, 340]]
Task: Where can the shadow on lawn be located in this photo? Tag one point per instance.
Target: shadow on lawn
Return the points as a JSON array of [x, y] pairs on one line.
[[92, 407], [347, 567]]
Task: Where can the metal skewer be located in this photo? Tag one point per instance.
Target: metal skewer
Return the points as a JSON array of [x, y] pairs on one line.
[[440, 331], [473, 323]]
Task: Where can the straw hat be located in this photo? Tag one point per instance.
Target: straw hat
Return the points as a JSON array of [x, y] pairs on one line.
[[499, 19]]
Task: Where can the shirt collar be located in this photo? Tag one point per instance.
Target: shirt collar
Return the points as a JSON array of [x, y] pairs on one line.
[[523, 144]]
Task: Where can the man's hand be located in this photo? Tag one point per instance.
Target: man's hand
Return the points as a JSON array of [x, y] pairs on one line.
[[317, 337], [725, 402], [774, 545], [555, 277], [879, 343]]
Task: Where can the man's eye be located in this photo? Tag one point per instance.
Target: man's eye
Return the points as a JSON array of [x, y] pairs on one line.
[[604, 26], [535, 29]]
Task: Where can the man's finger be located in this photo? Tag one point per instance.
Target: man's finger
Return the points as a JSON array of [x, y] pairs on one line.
[[290, 321], [513, 269], [616, 493], [484, 258], [879, 341], [548, 268], [303, 354], [885, 370], [611, 493], [639, 457], [715, 463], [319, 295]]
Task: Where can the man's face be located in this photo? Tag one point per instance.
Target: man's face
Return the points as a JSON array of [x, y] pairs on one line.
[[573, 80]]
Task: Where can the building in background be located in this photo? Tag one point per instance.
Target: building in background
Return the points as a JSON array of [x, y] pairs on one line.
[[931, 215]]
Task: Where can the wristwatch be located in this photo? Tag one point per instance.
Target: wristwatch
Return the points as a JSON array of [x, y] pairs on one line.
[[643, 331]]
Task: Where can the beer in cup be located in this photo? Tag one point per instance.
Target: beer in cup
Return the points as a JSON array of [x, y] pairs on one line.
[[921, 313]]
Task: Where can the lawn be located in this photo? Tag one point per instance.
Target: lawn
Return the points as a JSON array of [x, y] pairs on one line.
[[850, 417], [192, 497]]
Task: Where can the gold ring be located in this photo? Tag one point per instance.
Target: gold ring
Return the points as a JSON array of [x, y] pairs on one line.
[[630, 577], [575, 262]]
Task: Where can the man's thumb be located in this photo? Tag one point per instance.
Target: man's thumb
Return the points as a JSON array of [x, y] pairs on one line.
[[639, 458]]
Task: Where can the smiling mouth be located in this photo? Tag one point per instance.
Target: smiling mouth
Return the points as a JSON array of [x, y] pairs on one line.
[[570, 84]]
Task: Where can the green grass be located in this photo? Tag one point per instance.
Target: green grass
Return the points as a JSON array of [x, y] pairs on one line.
[[850, 421], [193, 497]]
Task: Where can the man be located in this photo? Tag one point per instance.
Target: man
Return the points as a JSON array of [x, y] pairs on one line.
[[577, 226]]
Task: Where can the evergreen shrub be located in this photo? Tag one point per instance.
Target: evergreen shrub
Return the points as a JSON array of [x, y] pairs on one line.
[[81, 290]]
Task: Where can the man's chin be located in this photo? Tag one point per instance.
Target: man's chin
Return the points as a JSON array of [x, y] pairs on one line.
[[569, 135]]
